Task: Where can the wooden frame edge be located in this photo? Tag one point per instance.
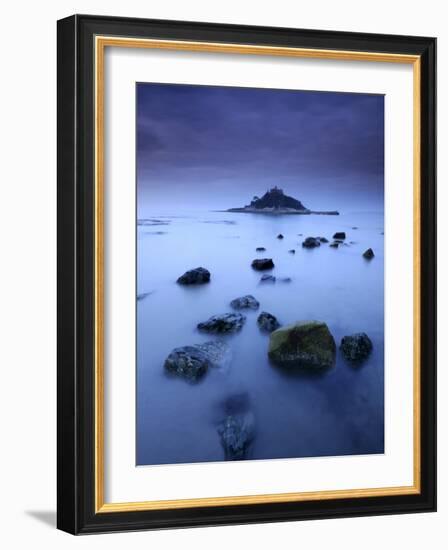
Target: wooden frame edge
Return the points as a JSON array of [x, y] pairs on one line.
[[100, 43]]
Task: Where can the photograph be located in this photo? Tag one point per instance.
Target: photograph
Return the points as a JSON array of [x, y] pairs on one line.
[[259, 274]]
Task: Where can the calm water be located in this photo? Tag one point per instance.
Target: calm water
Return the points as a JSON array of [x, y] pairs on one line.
[[339, 412]]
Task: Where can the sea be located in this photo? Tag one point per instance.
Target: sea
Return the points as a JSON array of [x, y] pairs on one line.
[[296, 414]]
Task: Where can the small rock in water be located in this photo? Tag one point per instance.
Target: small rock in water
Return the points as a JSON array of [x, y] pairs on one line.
[[192, 362], [334, 244], [280, 236], [323, 239], [311, 242], [305, 345], [339, 235], [260, 249], [245, 302], [237, 430], [285, 279], [368, 254], [267, 322], [144, 295], [262, 264], [292, 251], [196, 276], [222, 324], [356, 347], [354, 227], [267, 279], [300, 234]]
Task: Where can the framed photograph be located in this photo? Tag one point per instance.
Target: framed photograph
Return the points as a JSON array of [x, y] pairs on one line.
[[246, 274]]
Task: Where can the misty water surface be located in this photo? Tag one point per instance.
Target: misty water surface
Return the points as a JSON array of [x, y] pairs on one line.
[[338, 412]]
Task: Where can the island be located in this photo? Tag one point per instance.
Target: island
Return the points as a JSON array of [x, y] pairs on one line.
[[274, 201]]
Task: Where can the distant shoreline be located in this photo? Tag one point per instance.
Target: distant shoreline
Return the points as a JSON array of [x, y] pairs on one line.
[[280, 211]]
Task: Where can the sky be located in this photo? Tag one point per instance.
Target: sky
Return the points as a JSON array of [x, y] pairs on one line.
[[216, 147]]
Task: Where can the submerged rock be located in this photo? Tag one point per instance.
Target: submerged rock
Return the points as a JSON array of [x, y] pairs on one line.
[[285, 279], [267, 322], [226, 323], [280, 236], [196, 276], [292, 251], [237, 430], [323, 239], [192, 362], [334, 244], [245, 302], [339, 235], [305, 344], [356, 347], [143, 295], [267, 279], [368, 254], [262, 264], [311, 242], [260, 249]]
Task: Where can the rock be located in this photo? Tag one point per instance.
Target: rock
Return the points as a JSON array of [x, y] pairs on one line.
[[260, 249], [280, 236], [311, 242], [192, 362], [356, 347], [262, 264], [245, 302], [323, 239], [339, 235], [300, 234], [305, 344], [226, 323], [238, 428], [267, 279], [267, 322], [196, 276], [334, 244], [292, 251], [354, 227], [368, 254], [144, 295], [285, 279]]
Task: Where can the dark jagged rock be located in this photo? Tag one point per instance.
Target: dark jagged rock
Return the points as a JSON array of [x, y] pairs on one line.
[[192, 362], [245, 302], [222, 324], [339, 235], [280, 236], [263, 264], [260, 249], [323, 239], [356, 347], [368, 254], [267, 279], [306, 344], [267, 322], [311, 242], [197, 276], [292, 251]]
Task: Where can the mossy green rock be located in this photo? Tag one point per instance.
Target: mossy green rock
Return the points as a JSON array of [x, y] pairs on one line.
[[305, 344]]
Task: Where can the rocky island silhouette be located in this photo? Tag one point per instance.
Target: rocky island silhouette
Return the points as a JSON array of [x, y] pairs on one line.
[[274, 201]]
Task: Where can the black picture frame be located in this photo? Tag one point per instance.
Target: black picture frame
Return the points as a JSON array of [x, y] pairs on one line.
[[76, 512]]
